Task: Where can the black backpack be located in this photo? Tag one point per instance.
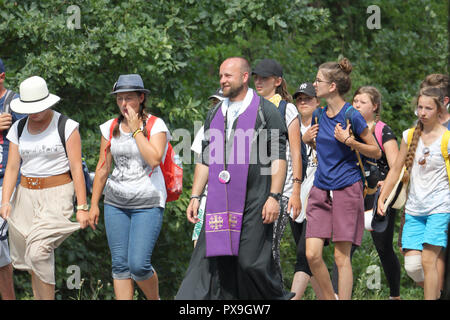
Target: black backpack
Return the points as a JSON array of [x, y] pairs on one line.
[[62, 135], [282, 108]]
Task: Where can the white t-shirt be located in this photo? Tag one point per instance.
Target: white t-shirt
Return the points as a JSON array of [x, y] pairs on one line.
[[291, 114], [42, 154], [197, 148], [197, 143], [233, 109], [429, 190], [130, 185], [309, 180]]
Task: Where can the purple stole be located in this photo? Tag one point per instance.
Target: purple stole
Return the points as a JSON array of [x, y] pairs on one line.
[[225, 202]]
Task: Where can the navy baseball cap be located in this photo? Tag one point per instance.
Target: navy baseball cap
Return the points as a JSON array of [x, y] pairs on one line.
[[268, 68], [2, 66]]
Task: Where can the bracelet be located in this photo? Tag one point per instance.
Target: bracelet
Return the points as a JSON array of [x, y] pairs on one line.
[[196, 197], [346, 139], [136, 132], [4, 204], [297, 180]]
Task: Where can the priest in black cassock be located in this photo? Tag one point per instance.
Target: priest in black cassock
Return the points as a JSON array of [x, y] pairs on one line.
[[244, 164]]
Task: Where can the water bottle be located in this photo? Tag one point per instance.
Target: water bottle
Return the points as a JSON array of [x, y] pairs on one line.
[[178, 161]]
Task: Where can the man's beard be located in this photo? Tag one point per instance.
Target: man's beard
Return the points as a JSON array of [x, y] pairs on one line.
[[234, 92]]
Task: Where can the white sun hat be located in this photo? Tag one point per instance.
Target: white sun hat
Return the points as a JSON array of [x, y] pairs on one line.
[[34, 97]]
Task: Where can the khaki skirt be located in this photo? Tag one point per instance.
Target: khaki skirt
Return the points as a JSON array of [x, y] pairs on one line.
[[38, 224]]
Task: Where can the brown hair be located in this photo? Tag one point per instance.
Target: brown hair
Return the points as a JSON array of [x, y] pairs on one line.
[[437, 95], [142, 115], [283, 92], [339, 73], [375, 98], [437, 80]]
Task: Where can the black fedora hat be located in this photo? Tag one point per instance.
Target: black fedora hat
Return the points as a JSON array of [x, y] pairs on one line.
[[379, 223]]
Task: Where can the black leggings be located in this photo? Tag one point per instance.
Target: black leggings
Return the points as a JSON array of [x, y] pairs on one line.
[[299, 231], [388, 258]]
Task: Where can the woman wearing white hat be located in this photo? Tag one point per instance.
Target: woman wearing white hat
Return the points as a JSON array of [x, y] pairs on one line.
[[40, 211]]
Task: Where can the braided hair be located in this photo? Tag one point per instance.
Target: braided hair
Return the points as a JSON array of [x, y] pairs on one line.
[[437, 95]]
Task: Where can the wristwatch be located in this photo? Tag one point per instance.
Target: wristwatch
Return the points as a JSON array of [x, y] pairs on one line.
[[276, 196], [84, 207]]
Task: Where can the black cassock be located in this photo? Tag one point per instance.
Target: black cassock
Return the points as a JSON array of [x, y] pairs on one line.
[[253, 273]]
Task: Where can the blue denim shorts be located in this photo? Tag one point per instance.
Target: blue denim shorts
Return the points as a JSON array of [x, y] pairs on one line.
[[132, 235], [431, 229]]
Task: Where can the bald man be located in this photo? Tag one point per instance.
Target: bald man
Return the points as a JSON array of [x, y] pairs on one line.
[[233, 256]]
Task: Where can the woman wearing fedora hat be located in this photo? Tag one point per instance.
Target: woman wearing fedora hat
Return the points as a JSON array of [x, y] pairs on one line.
[[40, 211], [135, 194]]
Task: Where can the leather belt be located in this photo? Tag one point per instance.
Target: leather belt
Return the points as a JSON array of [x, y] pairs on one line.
[[44, 183]]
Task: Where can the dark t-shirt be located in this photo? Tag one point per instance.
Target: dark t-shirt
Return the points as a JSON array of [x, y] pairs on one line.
[[265, 149], [382, 163], [338, 165], [4, 143]]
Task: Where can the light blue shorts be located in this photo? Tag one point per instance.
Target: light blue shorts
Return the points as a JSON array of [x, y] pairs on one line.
[[431, 229]]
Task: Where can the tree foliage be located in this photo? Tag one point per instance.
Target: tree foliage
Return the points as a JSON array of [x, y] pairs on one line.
[[177, 47]]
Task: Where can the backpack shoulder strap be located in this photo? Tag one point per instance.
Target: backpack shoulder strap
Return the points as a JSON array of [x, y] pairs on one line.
[[282, 108], [409, 140], [379, 133], [209, 116], [410, 135], [108, 145], [8, 98], [111, 128], [20, 126], [348, 121], [349, 116], [444, 150], [149, 125], [317, 114], [62, 130]]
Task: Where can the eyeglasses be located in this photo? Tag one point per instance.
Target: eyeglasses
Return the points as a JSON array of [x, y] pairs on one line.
[[423, 158], [319, 81], [304, 99]]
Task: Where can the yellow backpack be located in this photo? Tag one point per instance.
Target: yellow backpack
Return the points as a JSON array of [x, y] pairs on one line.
[[444, 150]]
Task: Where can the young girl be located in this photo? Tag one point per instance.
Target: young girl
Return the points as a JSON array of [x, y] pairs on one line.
[[306, 102], [367, 100], [427, 209], [336, 206], [135, 194], [269, 83]]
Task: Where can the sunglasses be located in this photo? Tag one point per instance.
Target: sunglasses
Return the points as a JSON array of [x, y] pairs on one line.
[[423, 158]]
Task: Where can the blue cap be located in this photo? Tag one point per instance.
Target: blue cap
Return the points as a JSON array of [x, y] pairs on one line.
[[129, 83], [2, 66]]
